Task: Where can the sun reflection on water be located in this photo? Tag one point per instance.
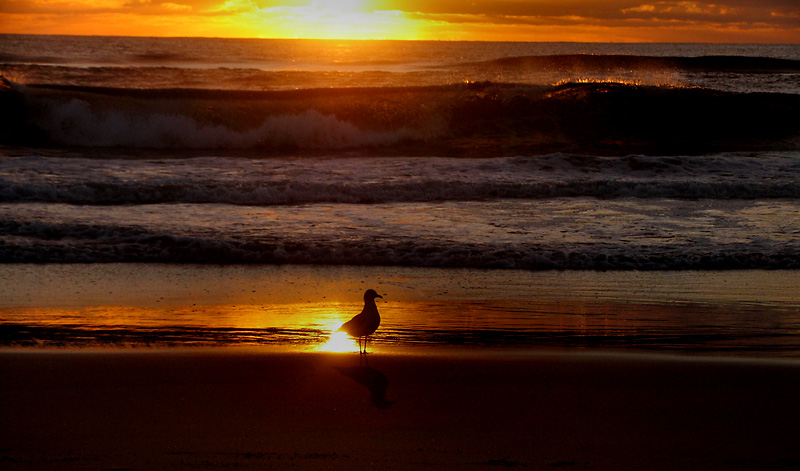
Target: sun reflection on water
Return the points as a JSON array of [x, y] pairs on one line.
[[339, 342], [653, 79]]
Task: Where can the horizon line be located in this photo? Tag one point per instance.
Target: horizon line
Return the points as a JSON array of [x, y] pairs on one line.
[[399, 40]]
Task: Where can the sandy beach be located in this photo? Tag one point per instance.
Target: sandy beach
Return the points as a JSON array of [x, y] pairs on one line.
[[445, 409]]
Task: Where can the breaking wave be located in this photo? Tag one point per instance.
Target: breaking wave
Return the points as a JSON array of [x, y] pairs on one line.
[[474, 119], [741, 64]]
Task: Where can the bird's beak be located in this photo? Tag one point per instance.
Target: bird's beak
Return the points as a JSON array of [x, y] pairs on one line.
[[378, 296]]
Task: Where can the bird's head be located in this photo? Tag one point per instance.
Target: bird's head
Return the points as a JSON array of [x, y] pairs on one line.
[[371, 294]]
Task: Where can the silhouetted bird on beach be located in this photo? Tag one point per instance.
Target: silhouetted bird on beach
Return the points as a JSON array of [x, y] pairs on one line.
[[364, 324]]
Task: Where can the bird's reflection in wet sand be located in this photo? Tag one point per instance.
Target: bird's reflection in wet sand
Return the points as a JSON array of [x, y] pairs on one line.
[[372, 379]]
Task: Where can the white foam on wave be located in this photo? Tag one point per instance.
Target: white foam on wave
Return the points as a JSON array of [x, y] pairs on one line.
[[76, 122]]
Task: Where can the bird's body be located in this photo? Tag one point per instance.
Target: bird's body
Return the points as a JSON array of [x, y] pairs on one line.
[[365, 323]]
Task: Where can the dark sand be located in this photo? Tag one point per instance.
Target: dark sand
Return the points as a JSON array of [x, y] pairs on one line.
[[233, 409]]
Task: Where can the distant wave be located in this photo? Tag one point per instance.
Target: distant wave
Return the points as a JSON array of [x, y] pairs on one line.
[[711, 63], [742, 64], [142, 58], [484, 119], [8, 57]]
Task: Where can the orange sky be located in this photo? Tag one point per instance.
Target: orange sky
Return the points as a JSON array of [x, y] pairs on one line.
[[504, 20]]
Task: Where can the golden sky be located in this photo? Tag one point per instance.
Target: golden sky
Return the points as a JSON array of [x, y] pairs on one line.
[[503, 20]]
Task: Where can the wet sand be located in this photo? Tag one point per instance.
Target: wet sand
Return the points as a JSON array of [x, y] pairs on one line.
[[429, 409], [747, 313]]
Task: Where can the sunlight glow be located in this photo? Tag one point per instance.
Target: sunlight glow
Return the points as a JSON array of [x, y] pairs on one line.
[[348, 19], [339, 342]]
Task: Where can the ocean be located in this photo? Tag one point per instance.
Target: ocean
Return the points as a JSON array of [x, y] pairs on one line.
[[422, 165]]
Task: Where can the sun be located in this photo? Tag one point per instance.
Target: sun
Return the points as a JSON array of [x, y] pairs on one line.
[[343, 5], [341, 19], [336, 341]]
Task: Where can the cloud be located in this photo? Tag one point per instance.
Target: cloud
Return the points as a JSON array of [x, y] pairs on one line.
[[619, 20], [780, 12], [176, 7], [94, 7], [234, 6]]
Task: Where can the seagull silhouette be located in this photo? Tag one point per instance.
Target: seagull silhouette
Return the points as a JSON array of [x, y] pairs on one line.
[[365, 323]]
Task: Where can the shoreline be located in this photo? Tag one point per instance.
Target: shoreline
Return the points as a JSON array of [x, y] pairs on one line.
[[499, 354], [738, 313], [254, 410]]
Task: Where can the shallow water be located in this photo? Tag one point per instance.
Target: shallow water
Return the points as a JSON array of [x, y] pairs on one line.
[[750, 313]]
